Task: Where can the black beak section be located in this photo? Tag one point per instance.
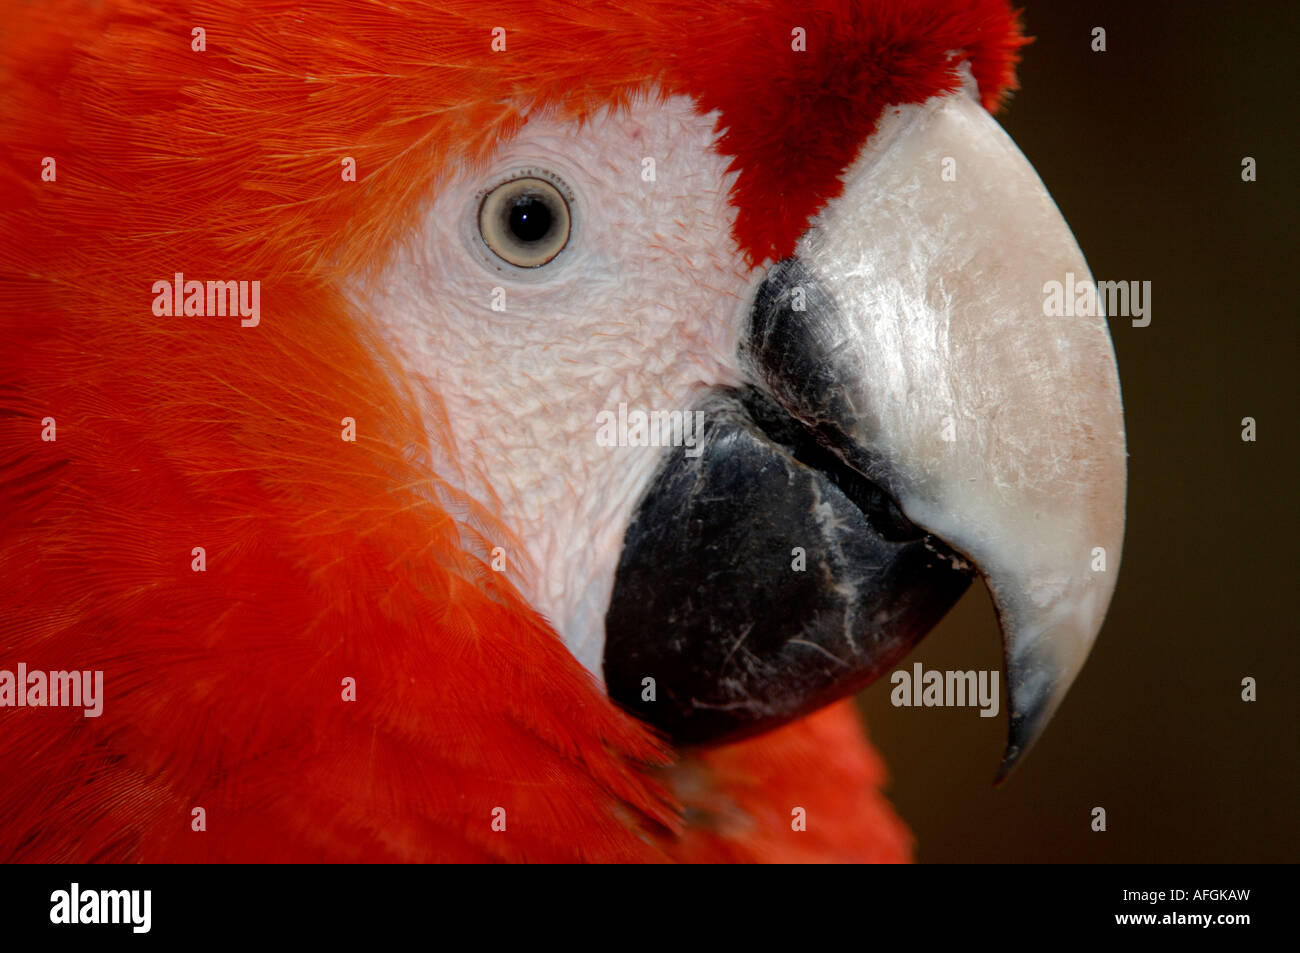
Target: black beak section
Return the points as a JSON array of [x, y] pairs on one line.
[[764, 577]]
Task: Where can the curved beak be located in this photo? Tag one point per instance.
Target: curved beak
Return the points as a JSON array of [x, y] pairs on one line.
[[910, 335]]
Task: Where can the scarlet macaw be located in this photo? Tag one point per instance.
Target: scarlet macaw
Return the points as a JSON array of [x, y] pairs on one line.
[[363, 581]]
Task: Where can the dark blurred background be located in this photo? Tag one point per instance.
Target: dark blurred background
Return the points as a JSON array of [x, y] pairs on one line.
[[1141, 146]]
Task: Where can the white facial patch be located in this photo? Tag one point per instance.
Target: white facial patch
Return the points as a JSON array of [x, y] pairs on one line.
[[642, 308]]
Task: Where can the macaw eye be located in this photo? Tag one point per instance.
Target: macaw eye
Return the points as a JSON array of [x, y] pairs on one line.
[[525, 222]]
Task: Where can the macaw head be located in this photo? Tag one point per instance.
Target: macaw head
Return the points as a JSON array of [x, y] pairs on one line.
[[708, 338], [741, 333]]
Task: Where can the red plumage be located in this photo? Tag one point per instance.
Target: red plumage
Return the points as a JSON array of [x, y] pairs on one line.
[[328, 559]]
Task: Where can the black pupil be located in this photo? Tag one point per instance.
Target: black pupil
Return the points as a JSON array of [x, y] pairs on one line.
[[530, 219]]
